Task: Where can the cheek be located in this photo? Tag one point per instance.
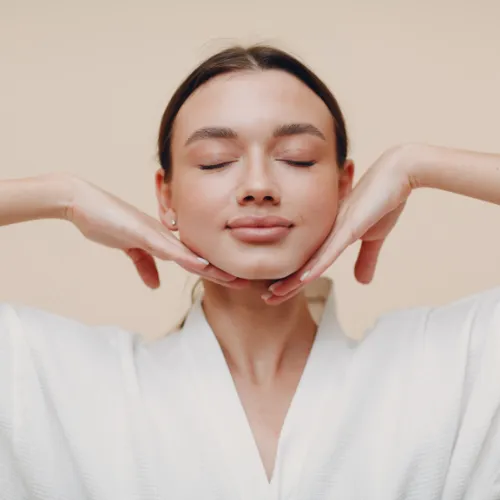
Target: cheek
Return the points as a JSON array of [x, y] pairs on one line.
[[319, 205], [195, 200], [198, 209]]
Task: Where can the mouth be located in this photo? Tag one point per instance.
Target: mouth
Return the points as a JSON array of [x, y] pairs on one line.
[[263, 230]]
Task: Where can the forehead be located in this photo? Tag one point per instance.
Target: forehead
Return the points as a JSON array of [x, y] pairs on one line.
[[252, 102]]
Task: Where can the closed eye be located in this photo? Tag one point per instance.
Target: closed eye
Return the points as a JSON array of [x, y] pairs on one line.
[[215, 166], [290, 162], [300, 163]]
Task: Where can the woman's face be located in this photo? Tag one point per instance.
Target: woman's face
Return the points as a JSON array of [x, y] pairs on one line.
[[255, 184]]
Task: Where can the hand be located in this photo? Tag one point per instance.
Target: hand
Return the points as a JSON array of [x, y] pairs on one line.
[[108, 220], [368, 213]]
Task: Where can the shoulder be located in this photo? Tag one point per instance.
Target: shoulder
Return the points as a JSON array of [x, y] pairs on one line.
[[473, 319], [482, 305], [465, 324], [45, 332], [448, 344], [472, 312], [437, 351]]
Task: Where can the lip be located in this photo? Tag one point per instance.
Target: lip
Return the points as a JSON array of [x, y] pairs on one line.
[[259, 221], [260, 229]]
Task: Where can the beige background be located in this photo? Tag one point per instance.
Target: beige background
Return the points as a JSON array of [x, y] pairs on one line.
[[84, 85]]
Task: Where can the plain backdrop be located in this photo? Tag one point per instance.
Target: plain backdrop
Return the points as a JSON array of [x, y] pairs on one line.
[[84, 84]]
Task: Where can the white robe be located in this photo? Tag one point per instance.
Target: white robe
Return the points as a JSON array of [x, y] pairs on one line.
[[98, 413]]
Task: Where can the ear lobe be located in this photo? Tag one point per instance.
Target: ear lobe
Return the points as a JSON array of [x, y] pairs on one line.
[[169, 220], [164, 198]]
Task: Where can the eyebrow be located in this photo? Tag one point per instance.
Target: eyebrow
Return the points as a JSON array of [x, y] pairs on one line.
[[284, 130]]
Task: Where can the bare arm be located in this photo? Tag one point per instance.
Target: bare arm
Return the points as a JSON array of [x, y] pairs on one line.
[[103, 218], [468, 173], [43, 197], [372, 209]]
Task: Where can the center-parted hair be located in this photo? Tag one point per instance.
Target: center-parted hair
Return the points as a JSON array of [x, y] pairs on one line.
[[253, 58], [235, 59]]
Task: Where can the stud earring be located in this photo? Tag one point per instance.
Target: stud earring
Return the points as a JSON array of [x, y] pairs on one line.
[[173, 222]]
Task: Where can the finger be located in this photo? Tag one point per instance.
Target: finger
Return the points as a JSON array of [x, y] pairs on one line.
[[285, 286], [318, 264], [146, 266], [340, 241], [366, 262], [212, 272], [274, 300], [148, 271], [237, 284], [219, 277], [165, 248]]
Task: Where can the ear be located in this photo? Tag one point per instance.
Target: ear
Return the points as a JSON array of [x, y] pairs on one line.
[[164, 197], [346, 179]]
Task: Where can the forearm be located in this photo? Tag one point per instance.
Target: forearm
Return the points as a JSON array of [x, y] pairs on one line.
[[469, 173], [43, 197]]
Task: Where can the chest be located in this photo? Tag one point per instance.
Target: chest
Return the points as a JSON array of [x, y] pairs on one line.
[[266, 409], [380, 433], [267, 447]]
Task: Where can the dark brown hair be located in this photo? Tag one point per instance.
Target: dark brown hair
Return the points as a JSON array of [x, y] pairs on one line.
[[236, 58]]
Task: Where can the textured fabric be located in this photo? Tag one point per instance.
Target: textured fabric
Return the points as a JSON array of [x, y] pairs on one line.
[[412, 411]]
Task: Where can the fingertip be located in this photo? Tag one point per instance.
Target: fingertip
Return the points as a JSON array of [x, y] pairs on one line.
[[363, 276], [152, 283], [277, 291], [193, 263], [304, 276]]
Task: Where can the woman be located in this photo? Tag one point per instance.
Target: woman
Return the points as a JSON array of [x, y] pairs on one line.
[[251, 397]]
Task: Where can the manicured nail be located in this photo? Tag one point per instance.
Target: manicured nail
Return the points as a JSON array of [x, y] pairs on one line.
[[305, 275], [266, 295], [203, 261]]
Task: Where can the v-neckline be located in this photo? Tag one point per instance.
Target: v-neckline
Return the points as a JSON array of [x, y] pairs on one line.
[[321, 380]]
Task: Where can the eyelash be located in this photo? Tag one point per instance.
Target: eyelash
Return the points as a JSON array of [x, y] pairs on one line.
[[290, 162], [213, 167]]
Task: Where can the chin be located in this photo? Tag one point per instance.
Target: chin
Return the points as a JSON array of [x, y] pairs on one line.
[[257, 263], [262, 270], [261, 275]]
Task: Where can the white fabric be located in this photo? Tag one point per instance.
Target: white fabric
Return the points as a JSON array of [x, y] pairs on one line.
[[410, 412]]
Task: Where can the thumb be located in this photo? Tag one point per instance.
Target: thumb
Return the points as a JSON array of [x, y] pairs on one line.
[[366, 262], [145, 265]]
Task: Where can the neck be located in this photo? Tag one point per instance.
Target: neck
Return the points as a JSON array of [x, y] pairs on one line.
[[259, 341]]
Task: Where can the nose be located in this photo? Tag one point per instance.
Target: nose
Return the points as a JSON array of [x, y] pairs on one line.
[[258, 186]]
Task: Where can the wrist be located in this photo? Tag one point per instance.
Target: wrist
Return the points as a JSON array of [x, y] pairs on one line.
[[418, 162], [60, 189]]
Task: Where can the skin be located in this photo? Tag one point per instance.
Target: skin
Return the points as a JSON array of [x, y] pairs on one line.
[[373, 207], [266, 348], [258, 180]]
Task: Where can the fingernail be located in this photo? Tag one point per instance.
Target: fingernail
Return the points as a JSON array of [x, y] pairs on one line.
[[203, 261], [280, 291], [273, 287], [305, 275], [228, 279], [266, 295]]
